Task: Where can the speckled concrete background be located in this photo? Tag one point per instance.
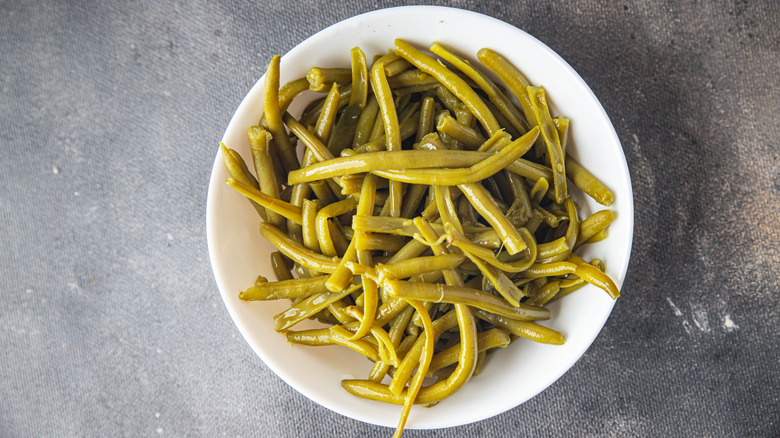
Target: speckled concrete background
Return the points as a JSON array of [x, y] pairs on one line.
[[110, 321]]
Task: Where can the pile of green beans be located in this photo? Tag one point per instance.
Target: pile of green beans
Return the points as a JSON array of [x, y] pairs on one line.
[[426, 219]]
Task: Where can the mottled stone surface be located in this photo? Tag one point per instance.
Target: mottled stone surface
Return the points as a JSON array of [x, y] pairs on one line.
[[110, 321]]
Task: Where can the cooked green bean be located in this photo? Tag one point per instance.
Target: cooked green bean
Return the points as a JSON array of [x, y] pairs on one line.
[[276, 205], [390, 119], [460, 132], [597, 278], [299, 254], [546, 293], [340, 336], [273, 116], [588, 183], [562, 126], [462, 295], [280, 267], [289, 288], [327, 118], [515, 81], [479, 171], [308, 307], [386, 160], [524, 329], [259, 140], [235, 166], [481, 200], [365, 122], [551, 139], [451, 81], [321, 223], [321, 79], [426, 358], [485, 340], [495, 95], [419, 265]]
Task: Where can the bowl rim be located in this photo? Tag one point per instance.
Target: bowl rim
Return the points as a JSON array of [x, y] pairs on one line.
[[628, 214]]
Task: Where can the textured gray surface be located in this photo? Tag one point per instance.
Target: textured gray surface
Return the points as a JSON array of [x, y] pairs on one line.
[[110, 321]]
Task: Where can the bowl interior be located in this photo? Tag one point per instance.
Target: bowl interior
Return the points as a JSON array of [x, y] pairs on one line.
[[511, 376]]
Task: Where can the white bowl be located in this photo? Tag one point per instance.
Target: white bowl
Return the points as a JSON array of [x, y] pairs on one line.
[[513, 375]]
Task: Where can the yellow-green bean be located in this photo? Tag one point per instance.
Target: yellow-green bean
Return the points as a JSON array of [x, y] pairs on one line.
[[453, 82]]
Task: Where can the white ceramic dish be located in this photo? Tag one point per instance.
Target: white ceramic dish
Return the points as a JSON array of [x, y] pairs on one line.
[[513, 375]]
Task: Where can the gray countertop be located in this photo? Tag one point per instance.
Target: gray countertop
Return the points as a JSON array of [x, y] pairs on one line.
[[110, 320]]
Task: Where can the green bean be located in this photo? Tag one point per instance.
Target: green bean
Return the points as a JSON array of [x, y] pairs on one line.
[[551, 139], [280, 267], [286, 95], [418, 265], [396, 66], [327, 118], [546, 293], [524, 329], [344, 130], [405, 369], [299, 254], [540, 270], [481, 200], [276, 205], [588, 183], [530, 170], [385, 160], [336, 234], [451, 81], [412, 198], [289, 288], [340, 336], [395, 333], [462, 295], [312, 111], [235, 166], [553, 248], [460, 132], [439, 390], [311, 337], [562, 126], [321, 223], [475, 173], [321, 79], [378, 128], [425, 124], [461, 242], [365, 122], [494, 94], [399, 226], [598, 237], [597, 278], [309, 232], [259, 140], [515, 81], [390, 118], [273, 117], [379, 242], [485, 340], [308, 307], [426, 358], [319, 151], [411, 78], [359, 78], [407, 129], [538, 190]]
